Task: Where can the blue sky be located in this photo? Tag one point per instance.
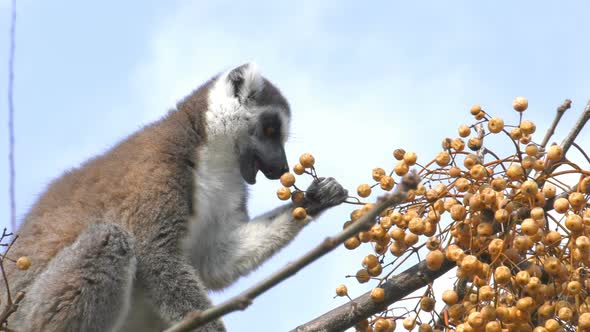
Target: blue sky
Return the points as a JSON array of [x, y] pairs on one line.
[[362, 80]]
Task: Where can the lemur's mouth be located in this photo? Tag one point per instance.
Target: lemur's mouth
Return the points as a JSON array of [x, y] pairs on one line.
[[259, 166], [256, 165]]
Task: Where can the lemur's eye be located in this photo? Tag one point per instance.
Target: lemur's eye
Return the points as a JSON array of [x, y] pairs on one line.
[[269, 131]]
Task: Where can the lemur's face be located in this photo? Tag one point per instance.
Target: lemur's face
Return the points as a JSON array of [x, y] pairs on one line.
[[247, 108], [262, 147]]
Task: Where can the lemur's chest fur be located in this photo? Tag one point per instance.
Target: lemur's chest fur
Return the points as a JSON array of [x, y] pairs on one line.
[[219, 194]]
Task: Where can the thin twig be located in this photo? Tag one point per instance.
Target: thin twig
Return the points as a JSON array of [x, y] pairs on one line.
[[8, 296], [11, 308], [560, 111], [396, 288], [569, 140], [571, 137], [11, 117], [243, 300], [579, 148]]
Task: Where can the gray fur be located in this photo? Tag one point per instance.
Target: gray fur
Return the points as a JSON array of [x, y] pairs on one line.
[[132, 239]]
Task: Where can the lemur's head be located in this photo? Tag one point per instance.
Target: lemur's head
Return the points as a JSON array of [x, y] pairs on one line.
[[247, 109]]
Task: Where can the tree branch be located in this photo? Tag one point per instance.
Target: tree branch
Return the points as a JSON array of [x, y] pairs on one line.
[[396, 288], [560, 111], [243, 300], [569, 140], [571, 137]]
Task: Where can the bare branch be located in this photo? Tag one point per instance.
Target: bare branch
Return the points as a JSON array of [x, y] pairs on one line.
[[569, 140], [560, 111], [571, 137], [243, 300], [11, 308], [2, 257], [396, 288]]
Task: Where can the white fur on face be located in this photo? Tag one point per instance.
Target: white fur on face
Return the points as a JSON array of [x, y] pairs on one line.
[[226, 115]]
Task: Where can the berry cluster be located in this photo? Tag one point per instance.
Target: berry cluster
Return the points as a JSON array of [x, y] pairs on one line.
[[297, 196], [518, 234]]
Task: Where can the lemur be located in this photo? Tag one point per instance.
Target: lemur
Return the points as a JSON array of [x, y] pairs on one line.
[[132, 239]]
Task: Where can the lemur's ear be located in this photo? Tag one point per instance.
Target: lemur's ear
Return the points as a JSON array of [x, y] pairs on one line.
[[244, 81]]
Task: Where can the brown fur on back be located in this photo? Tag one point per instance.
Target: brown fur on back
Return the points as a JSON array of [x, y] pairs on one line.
[[146, 177]]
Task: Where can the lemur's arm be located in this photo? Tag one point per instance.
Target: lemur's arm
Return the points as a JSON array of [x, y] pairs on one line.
[[244, 245]]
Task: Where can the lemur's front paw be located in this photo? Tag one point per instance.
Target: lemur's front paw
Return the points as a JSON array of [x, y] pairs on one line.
[[324, 193]]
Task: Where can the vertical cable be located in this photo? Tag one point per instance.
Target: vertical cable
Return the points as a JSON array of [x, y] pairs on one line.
[[12, 175]]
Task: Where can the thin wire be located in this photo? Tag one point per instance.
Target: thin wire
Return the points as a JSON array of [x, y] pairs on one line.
[[11, 118]]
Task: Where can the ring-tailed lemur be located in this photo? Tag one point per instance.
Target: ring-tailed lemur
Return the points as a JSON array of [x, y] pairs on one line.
[[132, 239]]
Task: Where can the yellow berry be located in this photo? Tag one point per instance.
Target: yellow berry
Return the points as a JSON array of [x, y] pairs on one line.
[[574, 223], [378, 173], [474, 143], [555, 153], [307, 160], [370, 261], [458, 212], [464, 130], [496, 125], [341, 290], [574, 287], [427, 304], [561, 205], [576, 200], [502, 275], [522, 278], [362, 276], [409, 323], [352, 243], [527, 127], [434, 260], [382, 325], [520, 104], [23, 263], [450, 297], [363, 190], [532, 150], [410, 158], [287, 179], [498, 184], [298, 169], [458, 144], [401, 168], [529, 227], [529, 188], [297, 196], [515, 172], [399, 154], [515, 134], [549, 190], [493, 326], [478, 172], [584, 321], [454, 172], [284, 193], [565, 314], [475, 109], [443, 158], [386, 183], [299, 213], [378, 294]]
